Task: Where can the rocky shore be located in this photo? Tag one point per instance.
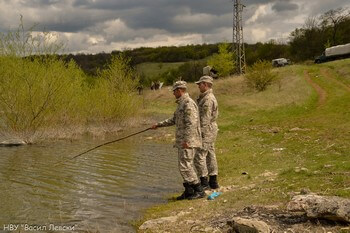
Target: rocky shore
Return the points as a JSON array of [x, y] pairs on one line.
[[305, 212]]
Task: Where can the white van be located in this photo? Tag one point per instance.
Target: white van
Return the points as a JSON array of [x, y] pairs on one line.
[[280, 62]]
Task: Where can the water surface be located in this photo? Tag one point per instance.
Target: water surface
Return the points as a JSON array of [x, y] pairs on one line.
[[103, 190]]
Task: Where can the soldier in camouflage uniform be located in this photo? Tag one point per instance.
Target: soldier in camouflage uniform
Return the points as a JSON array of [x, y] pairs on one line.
[[188, 138], [205, 158]]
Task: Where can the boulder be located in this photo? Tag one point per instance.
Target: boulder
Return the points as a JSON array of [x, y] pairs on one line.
[[315, 206], [248, 225], [154, 223], [12, 142]]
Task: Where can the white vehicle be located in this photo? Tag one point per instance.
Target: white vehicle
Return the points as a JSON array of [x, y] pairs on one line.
[[280, 62], [334, 53]]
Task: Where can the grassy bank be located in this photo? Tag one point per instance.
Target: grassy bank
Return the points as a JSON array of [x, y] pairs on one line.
[[292, 136]]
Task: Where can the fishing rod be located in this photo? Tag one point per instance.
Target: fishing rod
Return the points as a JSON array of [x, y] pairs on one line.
[[106, 143]]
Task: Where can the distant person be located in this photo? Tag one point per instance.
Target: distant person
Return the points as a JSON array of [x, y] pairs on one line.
[[188, 139], [157, 85], [205, 158], [213, 73], [140, 89], [209, 71]]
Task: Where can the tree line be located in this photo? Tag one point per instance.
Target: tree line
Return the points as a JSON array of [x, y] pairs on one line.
[[305, 43]]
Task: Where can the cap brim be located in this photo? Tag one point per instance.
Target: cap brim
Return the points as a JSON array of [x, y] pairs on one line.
[[198, 82], [179, 88]]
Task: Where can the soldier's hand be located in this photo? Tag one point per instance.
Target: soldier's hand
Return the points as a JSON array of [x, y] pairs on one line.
[[185, 145], [154, 126]]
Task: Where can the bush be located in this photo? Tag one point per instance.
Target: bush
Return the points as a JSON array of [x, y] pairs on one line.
[[40, 93], [189, 71], [223, 61], [260, 75], [35, 93], [113, 97]]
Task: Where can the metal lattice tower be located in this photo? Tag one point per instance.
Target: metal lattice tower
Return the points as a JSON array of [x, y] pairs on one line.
[[237, 42]]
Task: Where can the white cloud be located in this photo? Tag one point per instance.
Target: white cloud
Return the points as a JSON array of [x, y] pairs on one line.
[[260, 12], [102, 25]]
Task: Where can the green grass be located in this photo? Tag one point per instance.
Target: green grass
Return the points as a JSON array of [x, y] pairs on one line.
[[153, 69], [281, 130]]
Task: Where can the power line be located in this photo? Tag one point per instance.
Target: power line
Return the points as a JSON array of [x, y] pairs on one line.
[[237, 41]]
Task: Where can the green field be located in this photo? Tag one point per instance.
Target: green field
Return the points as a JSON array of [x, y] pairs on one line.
[[292, 136], [152, 69]]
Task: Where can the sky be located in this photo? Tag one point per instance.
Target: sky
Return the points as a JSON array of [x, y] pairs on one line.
[[94, 26]]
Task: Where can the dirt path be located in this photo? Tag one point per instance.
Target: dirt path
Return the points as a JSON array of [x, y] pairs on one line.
[[322, 94], [326, 73]]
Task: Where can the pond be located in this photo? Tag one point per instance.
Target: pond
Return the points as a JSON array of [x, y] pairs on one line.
[[103, 190]]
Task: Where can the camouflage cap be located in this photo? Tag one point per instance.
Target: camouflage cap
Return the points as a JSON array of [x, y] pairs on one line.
[[206, 79], [179, 84]]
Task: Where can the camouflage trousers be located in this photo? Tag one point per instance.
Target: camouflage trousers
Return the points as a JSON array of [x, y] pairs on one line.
[[186, 166], [205, 161]]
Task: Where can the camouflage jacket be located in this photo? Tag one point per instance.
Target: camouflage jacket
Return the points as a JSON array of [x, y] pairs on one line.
[[186, 120], [208, 113]]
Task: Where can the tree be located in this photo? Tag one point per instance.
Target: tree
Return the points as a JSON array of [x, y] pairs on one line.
[[333, 19], [223, 61], [307, 42], [260, 75]]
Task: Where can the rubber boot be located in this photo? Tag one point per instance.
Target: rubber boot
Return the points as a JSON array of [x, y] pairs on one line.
[[204, 183], [213, 183], [187, 193], [198, 192]]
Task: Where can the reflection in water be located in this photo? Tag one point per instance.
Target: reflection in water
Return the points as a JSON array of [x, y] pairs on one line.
[[103, 190]]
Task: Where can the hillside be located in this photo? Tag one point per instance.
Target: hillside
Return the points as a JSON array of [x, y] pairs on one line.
[[271, 145]]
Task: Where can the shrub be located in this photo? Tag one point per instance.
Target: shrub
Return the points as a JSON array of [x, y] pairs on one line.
[[113, 97], [189, 71], [35, 93], [40, 93], [260, 75], [223, 61]]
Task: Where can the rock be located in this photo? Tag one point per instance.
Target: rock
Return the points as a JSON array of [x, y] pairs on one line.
[[331, 208], [190, 222], [244, 225], [12, 142], [153, 223], [275, 130], [268, 174], [304, 191], [298, 129], [227, 188], [251, 186], [298, 169]]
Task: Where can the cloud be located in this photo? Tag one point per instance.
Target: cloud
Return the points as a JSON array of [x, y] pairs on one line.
[[105, 25], [284, 6]]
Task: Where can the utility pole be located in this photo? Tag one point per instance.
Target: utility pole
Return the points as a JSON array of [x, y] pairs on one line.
[[237, 42]]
